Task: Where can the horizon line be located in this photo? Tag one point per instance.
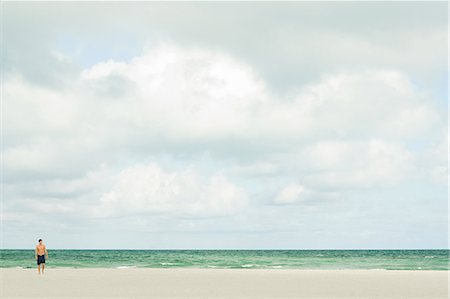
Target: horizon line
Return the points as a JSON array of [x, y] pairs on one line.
[[172, 249]]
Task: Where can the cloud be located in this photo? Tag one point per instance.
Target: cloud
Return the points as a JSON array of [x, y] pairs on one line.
[[208, 93], [138, 189], [194, 140], [180, 101], [295, 193], [199, 126], [433, 161], [357, 164], [150, 189], [291, 193], [365, 103], [298, 51], [212, 95]]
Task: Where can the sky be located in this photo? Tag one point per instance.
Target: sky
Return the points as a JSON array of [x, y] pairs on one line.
[[225, 125]]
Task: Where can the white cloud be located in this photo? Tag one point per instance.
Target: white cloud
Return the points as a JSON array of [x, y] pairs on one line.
[[145, 118], [33, 109], [366, 103], [262, 168], [291, 193], [196, 93], [135, 190], [212, 95], [295, 193], [150, 189], [357, 164], [207, 93], [172, 99], [433, 161], [279, 134]]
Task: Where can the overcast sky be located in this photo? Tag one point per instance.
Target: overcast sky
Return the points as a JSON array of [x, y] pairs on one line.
[[225, 125]]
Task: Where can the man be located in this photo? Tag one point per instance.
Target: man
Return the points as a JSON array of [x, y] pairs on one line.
[[40, 253]]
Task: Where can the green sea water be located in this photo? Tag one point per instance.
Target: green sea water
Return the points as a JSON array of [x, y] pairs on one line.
[[242, 259]]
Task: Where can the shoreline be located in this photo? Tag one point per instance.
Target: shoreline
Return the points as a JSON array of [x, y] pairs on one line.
[[222, 283], [218, 268]]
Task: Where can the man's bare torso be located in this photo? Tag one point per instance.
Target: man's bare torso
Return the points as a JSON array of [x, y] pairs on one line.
[[40, 248]]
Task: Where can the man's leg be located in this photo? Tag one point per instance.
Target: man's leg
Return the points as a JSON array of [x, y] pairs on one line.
[[43, 266], [39, 269]]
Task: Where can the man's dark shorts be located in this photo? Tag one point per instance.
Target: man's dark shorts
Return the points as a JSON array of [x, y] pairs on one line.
[[41, 259]]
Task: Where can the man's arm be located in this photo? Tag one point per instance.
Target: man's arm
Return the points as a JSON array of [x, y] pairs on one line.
[[46, 252], [35, 253]]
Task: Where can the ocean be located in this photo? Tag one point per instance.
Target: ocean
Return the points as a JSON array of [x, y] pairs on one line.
[[242, 259]]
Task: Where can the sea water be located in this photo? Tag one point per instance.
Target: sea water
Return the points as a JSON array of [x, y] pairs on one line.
[[242, 259]]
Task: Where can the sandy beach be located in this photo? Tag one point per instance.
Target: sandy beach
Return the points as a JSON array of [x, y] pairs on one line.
[[222, 283]]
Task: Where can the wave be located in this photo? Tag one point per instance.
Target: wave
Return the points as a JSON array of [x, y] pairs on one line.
[[231, 259]]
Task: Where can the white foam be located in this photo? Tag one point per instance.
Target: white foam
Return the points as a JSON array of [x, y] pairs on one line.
[[247, 266], [125, 267]]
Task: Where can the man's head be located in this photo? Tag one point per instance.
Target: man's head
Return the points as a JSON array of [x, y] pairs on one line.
[[40, 241]]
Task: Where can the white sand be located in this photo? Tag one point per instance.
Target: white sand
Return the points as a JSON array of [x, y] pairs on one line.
[[222, 283]]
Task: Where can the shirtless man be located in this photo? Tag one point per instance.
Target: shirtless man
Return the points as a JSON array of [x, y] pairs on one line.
[[39, 254]]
